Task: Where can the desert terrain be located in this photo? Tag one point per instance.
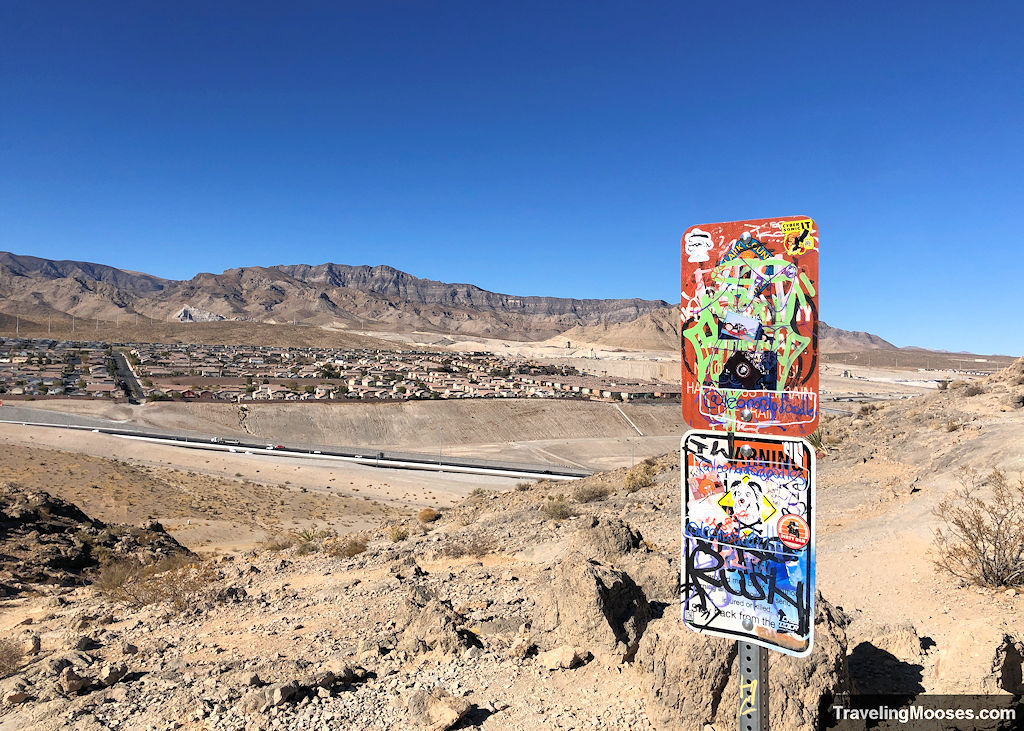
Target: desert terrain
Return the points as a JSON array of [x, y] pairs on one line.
[[501, 613]]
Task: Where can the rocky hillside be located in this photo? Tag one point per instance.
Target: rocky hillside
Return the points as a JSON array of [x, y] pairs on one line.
[[328, 294], [49, 542], [504, 613]]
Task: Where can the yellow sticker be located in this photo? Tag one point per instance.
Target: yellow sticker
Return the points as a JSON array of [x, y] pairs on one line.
[[804, 225]]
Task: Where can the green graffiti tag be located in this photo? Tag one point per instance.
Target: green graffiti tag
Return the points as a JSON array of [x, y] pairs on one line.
[[774, 291]]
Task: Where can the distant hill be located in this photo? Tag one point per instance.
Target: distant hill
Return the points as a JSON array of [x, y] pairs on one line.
[[660, 330], [349, 297], [834, 340]]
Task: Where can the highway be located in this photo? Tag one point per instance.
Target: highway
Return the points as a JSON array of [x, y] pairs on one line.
[[385, 460]]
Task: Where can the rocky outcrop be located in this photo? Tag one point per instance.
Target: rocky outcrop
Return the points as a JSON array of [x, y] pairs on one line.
[[594, 607], [194, 314], [430, 625], [47, 540], [691, 679]]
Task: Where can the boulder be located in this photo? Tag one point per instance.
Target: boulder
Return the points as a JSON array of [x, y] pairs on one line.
[[71, 682], [437, 709], [15, 690], [604, 537], [561, 658], [885, 659], [110, 674], [591, 606], [431, 624]]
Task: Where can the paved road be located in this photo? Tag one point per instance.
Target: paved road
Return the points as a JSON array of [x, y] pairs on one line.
[[126, 379]]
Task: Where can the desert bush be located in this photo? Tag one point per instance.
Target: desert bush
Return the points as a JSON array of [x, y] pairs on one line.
[[943, 384], [522, 486], [176, 580], [866, 409], [952, 425], [10, 657], [427, 515], [346, 547], [478, 492], [313, 535], [817, 440], [398, 533], [973, 390], [589, 493], [556, 507], [640, 476], [982, 540]]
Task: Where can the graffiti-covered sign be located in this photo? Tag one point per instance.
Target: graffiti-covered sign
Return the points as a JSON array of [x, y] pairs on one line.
[[748, 539], [749, 312]]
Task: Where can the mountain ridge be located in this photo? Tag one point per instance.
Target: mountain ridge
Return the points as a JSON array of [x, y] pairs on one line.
[[336, 295], [348, 297]]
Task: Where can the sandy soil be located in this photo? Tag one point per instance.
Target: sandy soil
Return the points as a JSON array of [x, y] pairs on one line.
[[216, 500]]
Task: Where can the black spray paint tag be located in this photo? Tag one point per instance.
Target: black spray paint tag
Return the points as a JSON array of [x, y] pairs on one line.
[[748, 539]]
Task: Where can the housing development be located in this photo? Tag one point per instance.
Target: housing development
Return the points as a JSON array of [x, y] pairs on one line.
[[48, 368]]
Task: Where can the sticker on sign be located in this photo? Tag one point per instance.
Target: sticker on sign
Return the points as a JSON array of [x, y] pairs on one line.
[[749, 307], [748, 539]]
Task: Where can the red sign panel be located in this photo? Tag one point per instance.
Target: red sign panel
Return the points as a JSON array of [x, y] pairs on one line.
[[749, 312]]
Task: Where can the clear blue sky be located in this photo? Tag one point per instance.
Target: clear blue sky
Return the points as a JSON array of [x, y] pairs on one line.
[[547, 148]]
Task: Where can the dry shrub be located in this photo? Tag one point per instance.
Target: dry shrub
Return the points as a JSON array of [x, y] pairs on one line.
[[589, 493], [952, 425], [973, 390], [346, 547], [427, 515], [867, 409], [10, 657], [640, 476], [522, 486], [982, 540], [556, 507], [176, 580], [398, 533]]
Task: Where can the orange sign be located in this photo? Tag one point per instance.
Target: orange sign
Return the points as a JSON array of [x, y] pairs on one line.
[[749, 311]]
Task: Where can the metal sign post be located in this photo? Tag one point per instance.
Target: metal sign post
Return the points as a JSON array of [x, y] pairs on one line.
[[753, 686], [750, 378]]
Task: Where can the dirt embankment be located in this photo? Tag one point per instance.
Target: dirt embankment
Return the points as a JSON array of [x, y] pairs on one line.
[[413, 425]]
